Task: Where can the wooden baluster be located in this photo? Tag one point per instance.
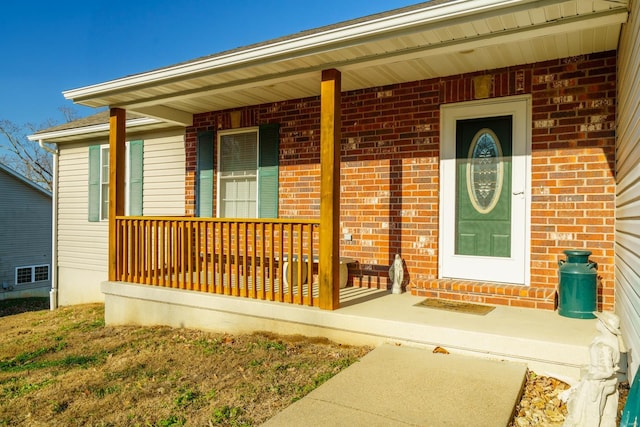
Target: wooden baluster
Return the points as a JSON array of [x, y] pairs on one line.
[[220, 265], [281, 254], [197, 257], [301, 264], [160, 253], [254, 242], [243, 254], [262, 284], [175, 254], [227, 263]]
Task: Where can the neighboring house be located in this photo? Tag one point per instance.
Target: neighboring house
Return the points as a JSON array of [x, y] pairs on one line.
[[25, 237], [476, 139]]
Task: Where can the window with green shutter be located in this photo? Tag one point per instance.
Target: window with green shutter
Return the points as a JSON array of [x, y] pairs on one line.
[[248, 172], [98, 200]]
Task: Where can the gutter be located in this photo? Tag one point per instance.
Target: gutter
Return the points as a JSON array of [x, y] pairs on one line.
[[53, 294]]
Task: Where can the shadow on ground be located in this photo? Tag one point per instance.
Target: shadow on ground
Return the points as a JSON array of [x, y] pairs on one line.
[[10, 307]]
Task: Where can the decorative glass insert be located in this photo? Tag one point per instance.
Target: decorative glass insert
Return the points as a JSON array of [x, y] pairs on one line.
[[485, 174]]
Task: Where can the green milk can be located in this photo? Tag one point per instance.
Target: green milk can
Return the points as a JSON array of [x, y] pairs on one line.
[[578, 285]]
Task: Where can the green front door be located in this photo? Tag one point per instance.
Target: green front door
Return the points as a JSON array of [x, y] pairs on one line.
[[483, 186]]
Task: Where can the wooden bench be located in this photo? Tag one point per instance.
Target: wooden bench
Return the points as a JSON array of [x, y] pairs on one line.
[[344, 269]]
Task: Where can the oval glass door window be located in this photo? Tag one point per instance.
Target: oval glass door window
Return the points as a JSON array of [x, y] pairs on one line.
[[484, 171]]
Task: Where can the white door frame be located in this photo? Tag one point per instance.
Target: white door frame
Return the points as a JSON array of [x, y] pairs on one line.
[[513, 270]]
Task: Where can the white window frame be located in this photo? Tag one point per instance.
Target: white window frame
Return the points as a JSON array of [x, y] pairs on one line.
[[221, 134], [33, 273], [104, 216]]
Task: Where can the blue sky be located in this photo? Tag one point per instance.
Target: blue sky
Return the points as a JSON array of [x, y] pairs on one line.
[[51, 46]]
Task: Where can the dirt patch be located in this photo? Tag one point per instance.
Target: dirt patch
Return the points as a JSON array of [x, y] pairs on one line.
[[67, 368], [16, 306]]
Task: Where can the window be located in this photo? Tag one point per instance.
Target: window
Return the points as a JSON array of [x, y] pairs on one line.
[[247, 173], [32, 273], [99, 180], [238, 174]]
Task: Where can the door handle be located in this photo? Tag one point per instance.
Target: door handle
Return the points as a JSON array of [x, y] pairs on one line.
[[518, 193]]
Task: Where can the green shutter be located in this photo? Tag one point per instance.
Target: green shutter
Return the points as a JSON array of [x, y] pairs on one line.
[[136, 159], [94, 183], [268, 158], [204, 175]]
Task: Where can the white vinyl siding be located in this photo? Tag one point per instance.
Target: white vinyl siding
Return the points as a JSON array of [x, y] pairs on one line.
[[164, 175], [627, 249], [82, 245], [80, 242]]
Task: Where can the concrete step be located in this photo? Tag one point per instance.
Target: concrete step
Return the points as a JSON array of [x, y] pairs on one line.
[[400, 386]]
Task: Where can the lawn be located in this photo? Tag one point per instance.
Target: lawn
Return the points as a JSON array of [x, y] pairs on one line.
[[65, 367]]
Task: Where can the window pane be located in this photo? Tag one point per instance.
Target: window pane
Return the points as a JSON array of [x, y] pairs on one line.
[[238, 197], [104, 183], [104, 161], [41, 273], [104, 207], [238, 154], [23, 275]]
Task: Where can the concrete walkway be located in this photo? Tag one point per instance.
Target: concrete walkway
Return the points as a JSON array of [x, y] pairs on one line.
[[406, 386]]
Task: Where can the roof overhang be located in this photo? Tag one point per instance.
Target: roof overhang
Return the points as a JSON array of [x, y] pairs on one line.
[[429, 40], [76, 131]]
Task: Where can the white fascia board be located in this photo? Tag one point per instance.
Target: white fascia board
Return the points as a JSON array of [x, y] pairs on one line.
[[429, 14], [87, 130]]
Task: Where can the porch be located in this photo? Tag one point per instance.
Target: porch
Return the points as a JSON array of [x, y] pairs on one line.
[[546, 342]]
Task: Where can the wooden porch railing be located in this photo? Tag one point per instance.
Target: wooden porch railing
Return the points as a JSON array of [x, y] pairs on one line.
[[253, 258]]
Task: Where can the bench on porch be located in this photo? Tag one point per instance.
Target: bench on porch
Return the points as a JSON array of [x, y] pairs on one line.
[[344, 269]]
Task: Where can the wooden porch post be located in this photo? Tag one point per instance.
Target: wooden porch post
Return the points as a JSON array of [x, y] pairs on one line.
[[117, 134], [330, 118]]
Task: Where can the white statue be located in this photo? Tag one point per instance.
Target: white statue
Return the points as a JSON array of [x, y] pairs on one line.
[[593, 402], [396, 274]]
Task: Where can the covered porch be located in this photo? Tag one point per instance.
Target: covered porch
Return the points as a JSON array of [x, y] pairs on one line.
[[425, 42], [266, 259]]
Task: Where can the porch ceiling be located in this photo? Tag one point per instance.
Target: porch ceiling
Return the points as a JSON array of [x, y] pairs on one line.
[[433, 39]]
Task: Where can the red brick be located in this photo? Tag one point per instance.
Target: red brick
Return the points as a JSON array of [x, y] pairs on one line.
[[391, 145]]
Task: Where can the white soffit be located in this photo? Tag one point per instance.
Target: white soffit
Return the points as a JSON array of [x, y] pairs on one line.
[[445, 39]]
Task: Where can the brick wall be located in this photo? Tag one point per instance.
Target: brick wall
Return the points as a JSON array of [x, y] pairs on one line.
[[390, 173]]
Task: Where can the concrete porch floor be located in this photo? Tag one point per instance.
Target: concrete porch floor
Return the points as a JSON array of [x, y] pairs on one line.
[[548, 343]]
